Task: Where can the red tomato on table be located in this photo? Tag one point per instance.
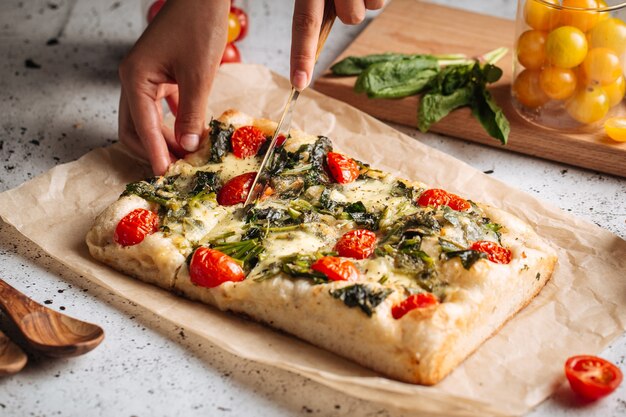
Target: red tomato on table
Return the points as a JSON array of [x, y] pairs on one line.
[[357, 244], [592, 377], [336, 269], [210, 268], [420, 300], [236, 189], [495, 252], [246, 141], [343, 169], [135, 226]]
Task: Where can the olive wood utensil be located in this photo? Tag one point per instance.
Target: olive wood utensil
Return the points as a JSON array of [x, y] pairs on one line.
[[45, 330], [12, 358]]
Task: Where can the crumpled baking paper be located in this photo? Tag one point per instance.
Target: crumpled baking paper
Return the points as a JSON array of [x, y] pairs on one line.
[[581, 310]]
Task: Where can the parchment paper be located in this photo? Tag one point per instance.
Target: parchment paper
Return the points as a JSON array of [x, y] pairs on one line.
[[581, 310]]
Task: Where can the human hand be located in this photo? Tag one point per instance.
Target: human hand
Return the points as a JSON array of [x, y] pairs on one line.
[[307, 20], [175, 58]]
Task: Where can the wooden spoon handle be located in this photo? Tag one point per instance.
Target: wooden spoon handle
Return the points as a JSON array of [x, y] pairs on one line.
[[12, 358], [327, 23]]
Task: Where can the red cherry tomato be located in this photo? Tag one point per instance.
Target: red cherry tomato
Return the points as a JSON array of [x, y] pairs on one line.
[[436, 197], [246, 141], [421, 300], [495, 252], [357, 244], [280, 140], [135, 226], [243, 22], [336, 269], [592, 377], [231, 54], [210, 268], [154, 9], [343, 169], [236, 189]]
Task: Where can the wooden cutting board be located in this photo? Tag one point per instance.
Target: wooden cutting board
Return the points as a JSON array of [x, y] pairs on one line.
[[412, 26]]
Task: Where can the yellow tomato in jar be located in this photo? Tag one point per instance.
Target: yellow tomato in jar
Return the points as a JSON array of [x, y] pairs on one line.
[[540, 16], [566, 47], [588, 105], [584, 19], [603, 15], [609, 33], [615, 91], [615, 127], [234, 27], [557, 83], [602, 65], [531, 49], [527, 89]]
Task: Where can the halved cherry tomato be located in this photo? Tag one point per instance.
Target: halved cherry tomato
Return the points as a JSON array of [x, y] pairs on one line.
[[436, 197], [357, 244], [343, 169], [236, 189], [615, 128], [246, 141], [495, 252], [420, 300], [243, 22], [154, 9], [135, 226], [210, 268], [592, 377], [336, 269], [231, 54]]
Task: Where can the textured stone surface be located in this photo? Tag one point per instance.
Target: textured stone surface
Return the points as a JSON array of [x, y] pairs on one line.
[[58, 78]]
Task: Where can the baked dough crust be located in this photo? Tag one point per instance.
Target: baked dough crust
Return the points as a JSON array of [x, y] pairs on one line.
[[422, 347]]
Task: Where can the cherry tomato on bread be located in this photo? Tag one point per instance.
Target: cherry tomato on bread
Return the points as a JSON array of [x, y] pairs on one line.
[[210, 268], [495, 252], [236, 189], [336, 269], [436, 197], [135, 226], [246, 141], [357, 244], [592, 377], [420, 300], [343, 169]]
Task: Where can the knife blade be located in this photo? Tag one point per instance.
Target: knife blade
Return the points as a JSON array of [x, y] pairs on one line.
[[263, 176]]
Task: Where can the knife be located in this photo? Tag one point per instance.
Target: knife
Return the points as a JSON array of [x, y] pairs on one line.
[[263, 177]]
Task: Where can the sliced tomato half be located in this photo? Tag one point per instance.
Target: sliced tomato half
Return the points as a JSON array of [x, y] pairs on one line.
[[592, 377]]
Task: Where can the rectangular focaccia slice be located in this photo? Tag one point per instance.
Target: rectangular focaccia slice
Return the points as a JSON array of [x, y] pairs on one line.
[[436, 276]]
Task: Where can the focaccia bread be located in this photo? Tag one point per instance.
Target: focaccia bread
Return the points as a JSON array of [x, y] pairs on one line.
[[399, 277]]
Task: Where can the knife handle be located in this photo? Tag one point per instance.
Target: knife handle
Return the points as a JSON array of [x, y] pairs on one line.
[[327, 23]]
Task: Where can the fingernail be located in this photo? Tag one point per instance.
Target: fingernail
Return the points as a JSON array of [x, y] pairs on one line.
[[300, 80], [190, 142]]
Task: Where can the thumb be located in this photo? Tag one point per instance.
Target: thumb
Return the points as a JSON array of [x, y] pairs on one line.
[[193, 98]]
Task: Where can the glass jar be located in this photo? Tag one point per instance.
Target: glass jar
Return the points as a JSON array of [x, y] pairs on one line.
[[570, 62]]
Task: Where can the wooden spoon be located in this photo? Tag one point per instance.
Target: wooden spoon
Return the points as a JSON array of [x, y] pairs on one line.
[[12, 358], [47, 331]]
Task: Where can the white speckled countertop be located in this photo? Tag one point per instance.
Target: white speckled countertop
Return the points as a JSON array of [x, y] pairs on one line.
[[147, 367]]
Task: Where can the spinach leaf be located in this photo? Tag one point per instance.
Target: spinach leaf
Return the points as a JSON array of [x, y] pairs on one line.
[[422, 223], [204, 182], [361, 296], [491, 116], [220, 140], [434, 106], [415, 262], [361, 217], [397, 79], [467, 257], [354, 65], [317, 158], [267, 216], [145, 190]]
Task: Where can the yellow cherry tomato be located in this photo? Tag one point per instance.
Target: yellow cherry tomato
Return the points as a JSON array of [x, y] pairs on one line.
[[531, 49], [583, 19], [527, 90], [609, 33], [234, 27], [603, 15], [615, 91], [588, 105], [615, 127], [557, 83], [602, 65], [540, 16], [566, 47]]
